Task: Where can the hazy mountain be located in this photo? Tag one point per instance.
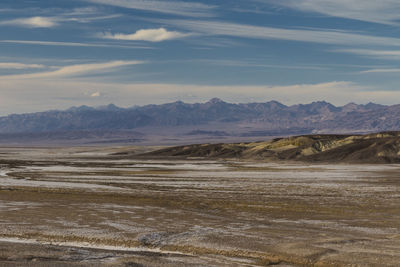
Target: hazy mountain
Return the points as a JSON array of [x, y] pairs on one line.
[[315, 117], [214, 118]]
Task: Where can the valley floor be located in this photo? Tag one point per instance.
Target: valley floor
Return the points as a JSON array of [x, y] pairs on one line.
[[85, 207]]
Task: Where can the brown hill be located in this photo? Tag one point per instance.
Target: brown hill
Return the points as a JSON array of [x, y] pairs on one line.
[[371, 148]]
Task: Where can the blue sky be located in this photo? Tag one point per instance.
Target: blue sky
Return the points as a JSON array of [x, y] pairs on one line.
[[56, 54]]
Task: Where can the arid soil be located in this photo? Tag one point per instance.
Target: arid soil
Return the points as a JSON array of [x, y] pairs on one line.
[[92, 206], [376, 148]]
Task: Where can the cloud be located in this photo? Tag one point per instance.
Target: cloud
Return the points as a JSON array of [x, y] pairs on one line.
[[74, 70], [381, 54], [270, 33], [254, 64], [33, 22], [96, 94], [29, 42], [150, 35], [85, 15], [13, 65], [89, 19], [79, 15], [382, 11], [182, 8], [86, 11], [380, 71]]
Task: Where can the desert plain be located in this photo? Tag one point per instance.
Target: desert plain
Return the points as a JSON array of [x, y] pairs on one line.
[[93, 206]]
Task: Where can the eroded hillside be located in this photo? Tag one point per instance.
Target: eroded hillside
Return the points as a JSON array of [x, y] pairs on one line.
[[371, 148]]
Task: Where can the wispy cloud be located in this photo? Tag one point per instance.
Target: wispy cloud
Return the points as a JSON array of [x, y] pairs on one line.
[[381, 71], [74, 70], [182, 8], [254, 64], [323, 36], [381, 54], [85, 15], [382, 11], [88, 19], [150, 35], [19, 66], [7, 10], [83, 11], [57, 17], [30, 42], [253, 10], [33, 22]]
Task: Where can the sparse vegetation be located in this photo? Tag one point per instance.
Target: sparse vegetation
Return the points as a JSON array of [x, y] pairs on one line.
[[178, 212]]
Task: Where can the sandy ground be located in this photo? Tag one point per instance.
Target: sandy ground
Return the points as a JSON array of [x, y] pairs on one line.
[[84, 207]]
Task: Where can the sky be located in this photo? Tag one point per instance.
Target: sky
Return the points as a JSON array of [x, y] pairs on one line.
[[58, 54]]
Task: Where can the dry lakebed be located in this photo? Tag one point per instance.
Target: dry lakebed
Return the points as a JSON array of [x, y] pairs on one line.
[[85, 206]]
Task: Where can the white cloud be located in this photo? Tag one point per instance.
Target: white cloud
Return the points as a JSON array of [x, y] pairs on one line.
[[150, 35], [182, 8], [96, 94], [382, 11], [33, 22], [381, 54], [83, 11], [303, 35], [13, 65], [73, 70], [89, 19], [380, 71], [255, 64], [77, 15], [29, 42]]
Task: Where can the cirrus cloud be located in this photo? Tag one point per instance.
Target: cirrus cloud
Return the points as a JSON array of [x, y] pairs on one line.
[[380, 71], [149, 35], [383, 11], [322, 36], [75, 70], [379, 54], [33, 22], [19, 66], [181, 8]]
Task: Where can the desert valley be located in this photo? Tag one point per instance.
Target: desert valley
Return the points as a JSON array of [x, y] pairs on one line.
[[168, 133], [139, 206]]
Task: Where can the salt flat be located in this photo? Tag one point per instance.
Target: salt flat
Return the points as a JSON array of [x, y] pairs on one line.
[[84, 206]]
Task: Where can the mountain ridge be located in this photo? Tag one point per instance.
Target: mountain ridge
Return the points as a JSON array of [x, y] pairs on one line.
[[214, 117]]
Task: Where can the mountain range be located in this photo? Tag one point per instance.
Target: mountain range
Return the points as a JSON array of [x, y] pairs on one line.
[[214, 119]]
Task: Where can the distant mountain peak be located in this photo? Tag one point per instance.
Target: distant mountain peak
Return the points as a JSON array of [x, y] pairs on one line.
[[276, 102], [350, 107], [80, 108], [110, 107], [321, 103], [371, 105], [351, 104], [215, 100]]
